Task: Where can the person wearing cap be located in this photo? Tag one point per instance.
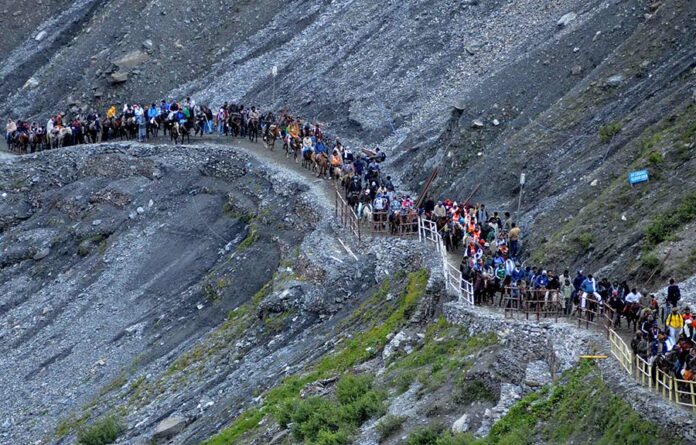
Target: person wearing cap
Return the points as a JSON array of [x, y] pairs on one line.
[[674, 323]]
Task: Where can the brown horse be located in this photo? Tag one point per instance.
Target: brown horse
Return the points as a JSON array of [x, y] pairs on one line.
[[174, 132], [37, 141], [272, 135], [395, 223], [321, 164], [234, 122], [308, 160]]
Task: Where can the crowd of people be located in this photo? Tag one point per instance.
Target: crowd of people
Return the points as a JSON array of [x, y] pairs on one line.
[[488, 241], [120, 121]]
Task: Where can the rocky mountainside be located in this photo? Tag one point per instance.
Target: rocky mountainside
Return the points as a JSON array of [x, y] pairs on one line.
[[574, 94], [203, 293], [182, 295]]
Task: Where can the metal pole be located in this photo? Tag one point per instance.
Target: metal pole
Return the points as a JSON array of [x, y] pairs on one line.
[[519, 200]]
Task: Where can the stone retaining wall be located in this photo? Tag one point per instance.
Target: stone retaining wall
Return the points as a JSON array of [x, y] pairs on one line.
[[560, 344]]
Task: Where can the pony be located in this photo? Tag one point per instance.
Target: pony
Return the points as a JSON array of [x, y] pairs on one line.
[[307, 159], [321, 164], [57, 137], [395, 220], [272, 134], [21, 142], [365, 212], [632, 313], [153, 126], [253, 130], [234, 122], [37, 141], [91, 132], [174, 132]]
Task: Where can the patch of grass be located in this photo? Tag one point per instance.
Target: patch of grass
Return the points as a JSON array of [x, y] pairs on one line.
[[238, 321], [425, 436], [389, 425], [69, 424], [443, 354], [663, 226], [403, 381], [584, 240], [608, 131], [318, 420], [283, 401], [687, 266], [251, 238], [101, 432], [365, 345], [262, 293], [580, 409], [649, 143], [210, 292], [115, 384], [244, 423]]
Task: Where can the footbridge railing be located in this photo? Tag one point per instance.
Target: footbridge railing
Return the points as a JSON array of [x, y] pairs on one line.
[[346, 215], [464, 290]]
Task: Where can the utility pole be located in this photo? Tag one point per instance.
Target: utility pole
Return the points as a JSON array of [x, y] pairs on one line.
[[519, 200], [274, 73]]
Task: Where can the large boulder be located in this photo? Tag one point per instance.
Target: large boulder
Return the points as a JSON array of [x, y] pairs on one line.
[[119, 77], [169, 427], [131, 60], [566, 19]]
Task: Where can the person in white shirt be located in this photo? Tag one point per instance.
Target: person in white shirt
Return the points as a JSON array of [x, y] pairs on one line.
[[633, 297]]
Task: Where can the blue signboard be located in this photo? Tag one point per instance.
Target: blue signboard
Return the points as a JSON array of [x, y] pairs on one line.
[[637, 177]]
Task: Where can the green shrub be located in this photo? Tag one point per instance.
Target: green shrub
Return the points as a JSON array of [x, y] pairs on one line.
[[585, 240], [389, 425], [466, 391], [649, 260], [318, 420], [426, 436], [655, 158], [101, 432], [607, 132], [664, 225]]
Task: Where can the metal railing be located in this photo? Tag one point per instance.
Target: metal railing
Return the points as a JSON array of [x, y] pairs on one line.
[[679, 391], [347, 216], [621, 351], [539, 303], [455, 283], [391, 223]]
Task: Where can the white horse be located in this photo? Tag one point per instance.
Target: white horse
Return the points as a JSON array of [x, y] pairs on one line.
[[57, 136], [365, 212]]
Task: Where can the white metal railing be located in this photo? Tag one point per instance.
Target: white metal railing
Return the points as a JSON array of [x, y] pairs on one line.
[[464, 290]]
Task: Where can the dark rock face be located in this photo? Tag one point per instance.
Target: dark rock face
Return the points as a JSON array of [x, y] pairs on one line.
[[105, 257]]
